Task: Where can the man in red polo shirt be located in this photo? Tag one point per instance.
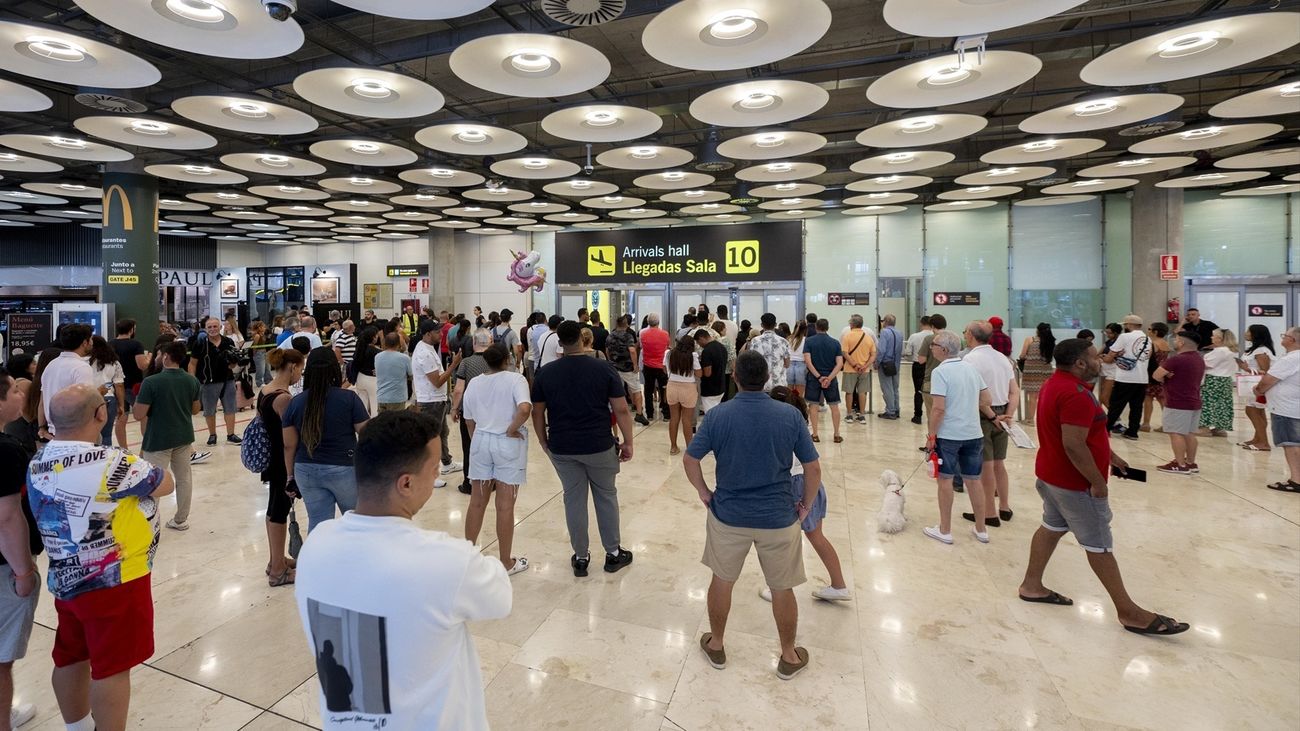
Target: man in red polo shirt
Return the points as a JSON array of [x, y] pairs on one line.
[[1073, 460]]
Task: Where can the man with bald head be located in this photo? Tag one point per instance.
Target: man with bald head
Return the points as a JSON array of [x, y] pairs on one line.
[[97, 511]]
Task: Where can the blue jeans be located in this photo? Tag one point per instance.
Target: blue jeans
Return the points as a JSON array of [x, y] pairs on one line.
[[889, 387], [261, 371], [324, 487], [106, 434]]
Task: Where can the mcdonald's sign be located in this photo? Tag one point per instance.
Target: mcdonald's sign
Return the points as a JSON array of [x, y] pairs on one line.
[[128, 216], [129, 248]]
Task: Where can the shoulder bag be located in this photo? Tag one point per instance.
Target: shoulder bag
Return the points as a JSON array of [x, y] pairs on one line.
[[1125, 363]]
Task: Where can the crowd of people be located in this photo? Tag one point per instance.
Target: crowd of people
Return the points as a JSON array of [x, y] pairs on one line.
[[355, 420]]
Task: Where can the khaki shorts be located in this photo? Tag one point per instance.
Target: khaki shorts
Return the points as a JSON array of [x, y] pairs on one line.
[[682, 394], [632, 380], [780, 552], [995, 438]]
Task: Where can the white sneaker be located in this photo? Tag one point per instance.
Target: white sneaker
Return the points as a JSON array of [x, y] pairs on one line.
[[447, 469], [439, 483], [766, 593], [199, 457], [521, 565], [19, 715], [177, 526], [981, 537], [831, 594], [933, 532]]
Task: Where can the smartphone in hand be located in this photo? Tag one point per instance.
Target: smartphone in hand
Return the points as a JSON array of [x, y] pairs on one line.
[[1133, 473]]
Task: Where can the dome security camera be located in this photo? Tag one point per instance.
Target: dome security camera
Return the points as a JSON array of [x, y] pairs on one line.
[[280, 10]]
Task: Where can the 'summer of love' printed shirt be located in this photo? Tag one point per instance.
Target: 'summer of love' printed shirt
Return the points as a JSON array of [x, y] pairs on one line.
[[95, 516]]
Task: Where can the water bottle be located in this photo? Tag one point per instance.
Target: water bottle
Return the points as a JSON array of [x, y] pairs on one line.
[[932, 466]]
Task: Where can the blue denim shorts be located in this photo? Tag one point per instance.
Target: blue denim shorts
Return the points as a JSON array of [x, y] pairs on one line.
[[960, 456], [814, 394]]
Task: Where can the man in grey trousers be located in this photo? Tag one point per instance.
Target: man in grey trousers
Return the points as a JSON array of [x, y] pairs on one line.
[[572, 400]]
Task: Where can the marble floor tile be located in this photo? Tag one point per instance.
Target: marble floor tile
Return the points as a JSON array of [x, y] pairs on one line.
[[271, 722], [524, 698]]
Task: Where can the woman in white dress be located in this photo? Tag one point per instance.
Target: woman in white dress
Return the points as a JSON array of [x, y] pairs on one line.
[[1259, 356]]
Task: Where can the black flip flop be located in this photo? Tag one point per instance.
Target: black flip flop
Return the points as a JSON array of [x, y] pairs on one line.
[[1052, 598], [1161, 625], [1287, 486]]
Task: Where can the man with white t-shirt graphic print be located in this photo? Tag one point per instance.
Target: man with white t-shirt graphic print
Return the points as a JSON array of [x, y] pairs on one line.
[[430, 380], [1130, 353]]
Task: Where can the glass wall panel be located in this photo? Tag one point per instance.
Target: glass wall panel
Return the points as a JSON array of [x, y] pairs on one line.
[[1233, 236], [966, 251], [840, 256], [902, 239], [1119, 257], [1295, 233], [1056, 265]]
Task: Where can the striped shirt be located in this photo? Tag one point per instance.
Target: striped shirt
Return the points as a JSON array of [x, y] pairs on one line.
[[347, 344]]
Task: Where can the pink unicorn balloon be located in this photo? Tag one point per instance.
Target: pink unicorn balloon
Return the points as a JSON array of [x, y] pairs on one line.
[[525, 272]]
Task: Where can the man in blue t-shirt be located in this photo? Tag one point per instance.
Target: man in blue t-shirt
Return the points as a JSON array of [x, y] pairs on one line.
[[573, 398], [824, 359], [755, 441]]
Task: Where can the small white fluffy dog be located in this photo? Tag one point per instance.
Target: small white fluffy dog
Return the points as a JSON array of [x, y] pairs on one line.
[[890, 519]]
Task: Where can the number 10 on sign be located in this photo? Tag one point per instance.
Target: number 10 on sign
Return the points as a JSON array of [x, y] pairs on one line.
[[742, 257]]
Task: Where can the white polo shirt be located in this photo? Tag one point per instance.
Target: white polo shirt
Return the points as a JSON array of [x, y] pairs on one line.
[[995, 368]]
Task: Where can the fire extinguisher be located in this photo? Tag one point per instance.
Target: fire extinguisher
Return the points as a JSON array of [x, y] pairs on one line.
[[1173, 311]]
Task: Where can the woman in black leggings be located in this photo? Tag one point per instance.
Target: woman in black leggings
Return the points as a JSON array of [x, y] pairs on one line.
[[287, 366]]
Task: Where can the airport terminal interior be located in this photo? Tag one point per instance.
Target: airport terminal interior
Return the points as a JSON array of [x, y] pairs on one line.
[[1050, 166]]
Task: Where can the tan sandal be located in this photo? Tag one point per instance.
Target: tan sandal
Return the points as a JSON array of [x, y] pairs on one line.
[[283, 579]]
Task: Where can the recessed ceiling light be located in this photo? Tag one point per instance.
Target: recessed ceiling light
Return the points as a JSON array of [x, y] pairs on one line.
[[1290, 90], [74, 187], [613, 199], [359, 204], [533, 163], [644, 153], [757, 100], [365, 148], [1274, 186], [21, 194], [724, 215], [472, 209], [441, 173], [361, 181], [791, 201], [636, 210], [1189, 43], [1095, 108], [471, 136], [710, 206], [896, 158], [1202, 133], [797, 213], [580, 184], [873, 208], [248, 109], [531, 61], [245, 213], [916, 126], [68, 143], [1039, 146], [1086, 183], [146, 127], [1133, 163], [275, 161], [960, 203], [198, 169], [370, 88], [8, 157], [1210, 176], [538, 204], [570, 214], [770, 140], [300, 208], [1000, 172], [949, 75], [498, 191], [228, 196], [886, 180], [600, 119], [733, 25], [55, 49], [674, 176], [693, 193], [879, 195], [198, 11], [787, 186], [780, 167], [979, 189]]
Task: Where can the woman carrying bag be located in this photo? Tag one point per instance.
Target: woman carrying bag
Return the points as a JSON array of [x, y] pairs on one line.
[[287, 366]]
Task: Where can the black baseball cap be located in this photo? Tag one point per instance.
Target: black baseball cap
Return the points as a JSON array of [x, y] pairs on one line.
[[428, 326]]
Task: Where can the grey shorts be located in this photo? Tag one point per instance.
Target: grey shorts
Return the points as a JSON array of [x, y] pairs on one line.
[[1181, 421], [213, 393], [1078, 512], [1286, 431], [16, 616]]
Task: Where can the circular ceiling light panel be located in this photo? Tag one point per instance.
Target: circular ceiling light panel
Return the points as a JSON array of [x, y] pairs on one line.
[[1273, 189], [792, 204], [418, 9], [960, 206], [539, 207], [253, 115], [940, 18], [300, 210], [1005, 175], [922, 130], [771, 145], [424, 200], [780, 172], [539, 227], [304, 223], [710, 209], [67, 190], [571, 217], [173, 204], [694, 197], [469, 138], [373, 93], [359, 205], [673, 180], [759, 103], [880, 199], [724, 218], [13, 162], [530, 65], [223, 28], [355, 220], [19, 98], [47, 53], [272, 163], [535, 168], [598, 225], [950, 79], [633, 213], [612, 202], [442, 177], [580, 188], [1101, 112], [888, 183], [142, 132], [979, 192], [1197, 138], [245, 215], [873, 210], [505, 221], [363, 152], [1090, 186], [67, 213], [901, 162], [1204, 180], [500, 194], [64, 147], [418, 216], [794, 215], [1276, 99], [1272, 158], [1055, 200], [1042, 151], [360, 185], [602, 123], [1195, 49], [644, 157], [289, 193], [473, 212], [23, 197], [196, 173], [787, 190], [718, 35], [1136, 166]]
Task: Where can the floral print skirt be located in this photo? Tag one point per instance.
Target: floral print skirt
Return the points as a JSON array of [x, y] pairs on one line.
[[1216, 403]]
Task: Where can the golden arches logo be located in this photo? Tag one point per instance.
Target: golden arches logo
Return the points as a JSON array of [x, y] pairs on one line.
[[128, 217]]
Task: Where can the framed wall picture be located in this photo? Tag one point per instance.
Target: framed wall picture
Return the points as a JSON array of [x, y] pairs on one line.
[[324, 289], [377, 296], [230, 289]]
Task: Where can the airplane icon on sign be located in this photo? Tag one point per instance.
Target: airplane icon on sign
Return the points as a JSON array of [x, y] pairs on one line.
[[600, 261]]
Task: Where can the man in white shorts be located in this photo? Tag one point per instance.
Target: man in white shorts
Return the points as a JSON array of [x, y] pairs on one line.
[[496, 406]]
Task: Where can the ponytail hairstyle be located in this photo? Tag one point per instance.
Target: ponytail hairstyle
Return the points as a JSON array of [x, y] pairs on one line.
[[321, 376]]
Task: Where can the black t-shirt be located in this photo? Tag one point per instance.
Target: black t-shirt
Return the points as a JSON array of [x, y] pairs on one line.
[[714, 354], [13, 476], [576, 391], [127, 350], [600, 337], [365, 360], [213, 360]]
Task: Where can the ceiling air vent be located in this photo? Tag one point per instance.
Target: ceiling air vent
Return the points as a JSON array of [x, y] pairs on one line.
[[102, 101], [707, 158], [1044, 182], [584, 12], [1167, 122]]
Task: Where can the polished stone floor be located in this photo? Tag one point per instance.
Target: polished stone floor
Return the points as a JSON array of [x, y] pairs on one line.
[[935, 637]]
